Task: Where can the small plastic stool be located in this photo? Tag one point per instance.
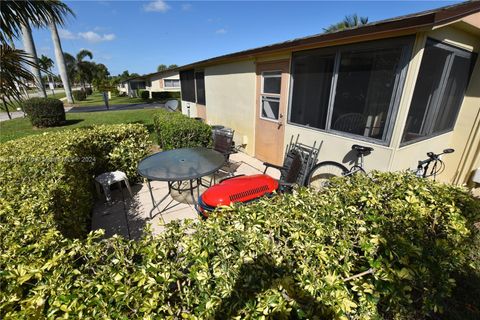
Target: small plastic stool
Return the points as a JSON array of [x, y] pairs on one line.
[[107, 179]]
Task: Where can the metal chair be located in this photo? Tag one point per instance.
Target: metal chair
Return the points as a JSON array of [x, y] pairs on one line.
[[223, 143], [299, 160], [351, 122]]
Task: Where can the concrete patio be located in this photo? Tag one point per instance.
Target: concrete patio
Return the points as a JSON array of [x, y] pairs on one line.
[[128, 216]]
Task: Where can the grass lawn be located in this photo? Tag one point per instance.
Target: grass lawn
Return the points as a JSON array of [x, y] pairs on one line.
[[21, 127], [96, 99]]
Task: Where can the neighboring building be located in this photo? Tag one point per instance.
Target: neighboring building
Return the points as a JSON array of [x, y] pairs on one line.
[[131, 86], [403, 86], [167, 80]]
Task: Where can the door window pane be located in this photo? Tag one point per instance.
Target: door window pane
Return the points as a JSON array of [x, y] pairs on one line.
[[364, 91], [271, 82], [270, 107], [312, 80], [439, 91]]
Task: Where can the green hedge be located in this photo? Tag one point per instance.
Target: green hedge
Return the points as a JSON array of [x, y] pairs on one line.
[[79, 95], [287, 257], [165, 95], [54, 171], [88, 91], [175, 130], [44, 112], [144, 94]]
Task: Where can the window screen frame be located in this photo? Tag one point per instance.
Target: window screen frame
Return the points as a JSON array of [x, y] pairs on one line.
[[454, 51], [270, 95], [183, 88], [204, 101], [405, 42]]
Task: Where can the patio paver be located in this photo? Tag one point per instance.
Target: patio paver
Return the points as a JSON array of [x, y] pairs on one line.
[[113, 217]]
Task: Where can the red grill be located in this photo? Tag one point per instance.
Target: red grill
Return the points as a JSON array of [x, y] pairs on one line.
[[237, 189]]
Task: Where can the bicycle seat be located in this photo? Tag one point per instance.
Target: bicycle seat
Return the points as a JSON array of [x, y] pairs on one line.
[[362, 149]]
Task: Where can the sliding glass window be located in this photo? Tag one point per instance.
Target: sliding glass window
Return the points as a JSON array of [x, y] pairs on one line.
[[350, 90], [439, 91]]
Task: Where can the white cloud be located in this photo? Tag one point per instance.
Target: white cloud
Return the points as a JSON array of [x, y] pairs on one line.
[[157, 6], [221, 31], [90, 36], [66, 34], [186, 6], [94, 37]]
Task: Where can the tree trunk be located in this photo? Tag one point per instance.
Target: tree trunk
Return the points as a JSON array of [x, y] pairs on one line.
[[5, 104], [30, 49], [62, 67]]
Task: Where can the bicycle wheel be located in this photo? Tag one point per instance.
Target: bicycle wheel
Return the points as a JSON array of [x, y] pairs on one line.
[[322, 172]]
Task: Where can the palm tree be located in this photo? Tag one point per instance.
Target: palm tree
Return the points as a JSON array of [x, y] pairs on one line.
[[84, 69], [32, 52], [349, 21], [46, 64], [61, 64], [17, 16]]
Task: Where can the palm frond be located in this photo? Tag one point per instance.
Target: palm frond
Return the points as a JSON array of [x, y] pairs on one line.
[[14, 72], [30, 12], [82, 54]]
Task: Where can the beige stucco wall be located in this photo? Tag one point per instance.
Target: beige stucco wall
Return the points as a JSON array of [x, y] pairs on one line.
[[230, 97]]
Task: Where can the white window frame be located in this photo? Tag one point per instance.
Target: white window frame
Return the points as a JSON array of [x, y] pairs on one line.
[[173, 87], [270, 95]]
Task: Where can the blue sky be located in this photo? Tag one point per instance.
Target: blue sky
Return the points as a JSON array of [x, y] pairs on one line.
[[139, 35]]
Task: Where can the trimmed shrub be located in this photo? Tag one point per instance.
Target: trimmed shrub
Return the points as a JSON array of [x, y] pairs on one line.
[[165, 95], [297, 256], [79, 95], [144, 94], [54, 171], [88, 91], [44, 112], [175, 130]]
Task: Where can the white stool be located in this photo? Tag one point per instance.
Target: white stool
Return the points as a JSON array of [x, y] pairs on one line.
[[107, 179]]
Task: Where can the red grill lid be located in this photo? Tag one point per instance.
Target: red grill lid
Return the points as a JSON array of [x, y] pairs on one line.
[[239, 189]]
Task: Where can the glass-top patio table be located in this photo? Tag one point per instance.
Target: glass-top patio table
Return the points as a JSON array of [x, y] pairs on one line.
[[177, 166]]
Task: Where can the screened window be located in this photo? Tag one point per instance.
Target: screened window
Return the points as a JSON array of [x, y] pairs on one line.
[[171, 83], [200, 85], [270, 97], [351, 89], [187, 80], [439, 91]]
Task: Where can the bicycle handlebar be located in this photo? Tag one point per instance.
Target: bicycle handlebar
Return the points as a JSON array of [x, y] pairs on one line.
[[432, 156]]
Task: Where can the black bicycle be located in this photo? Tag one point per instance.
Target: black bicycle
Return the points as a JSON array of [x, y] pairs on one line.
[[324, 171], [434, 160]]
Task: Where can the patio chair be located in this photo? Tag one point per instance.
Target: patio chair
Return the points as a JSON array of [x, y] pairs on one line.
[[308, 156], [351, 122], [223, 142]]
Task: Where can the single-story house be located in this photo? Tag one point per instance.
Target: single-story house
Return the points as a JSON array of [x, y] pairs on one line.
[[167, 80], [131, 85], [404, 86]]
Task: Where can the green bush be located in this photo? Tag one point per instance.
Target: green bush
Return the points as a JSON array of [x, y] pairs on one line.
[[165, 95], [175, 130], [56, 169], [144, 94], [287, 257], [88, 91], [79, 95], [44, 112], [115, 92]]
